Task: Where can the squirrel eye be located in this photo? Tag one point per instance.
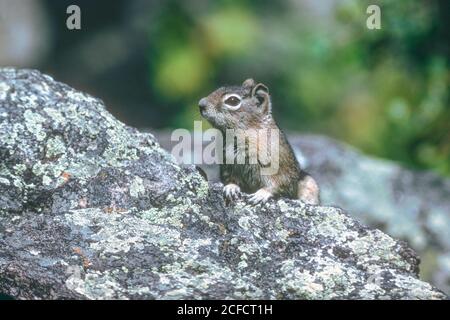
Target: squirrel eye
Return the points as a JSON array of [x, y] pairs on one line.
[[233, 101]]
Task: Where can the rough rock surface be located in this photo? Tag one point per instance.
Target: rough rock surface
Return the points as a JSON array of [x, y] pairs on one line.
[[90, 208], [410, 205]]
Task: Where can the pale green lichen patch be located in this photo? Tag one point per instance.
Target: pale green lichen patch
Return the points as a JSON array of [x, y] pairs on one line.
[[121, 235], [296, 212], [418, 289], [202, 189], [55, 115], [83, 170], [14, 176], [284, 207], [33, 123], [95, 285], [55, 147], [333, 224], [5, 181], [137, 187], [10, 135], [376, 246], [301, 282], [119, 148], [170, 215], [179, 276], [50, 171], [195, 181], [19, 168]]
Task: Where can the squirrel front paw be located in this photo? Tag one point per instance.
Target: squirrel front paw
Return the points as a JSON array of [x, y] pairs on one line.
[[260, 196], [232, 192]]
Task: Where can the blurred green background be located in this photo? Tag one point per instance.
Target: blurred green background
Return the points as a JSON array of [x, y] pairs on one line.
[[384, 91]]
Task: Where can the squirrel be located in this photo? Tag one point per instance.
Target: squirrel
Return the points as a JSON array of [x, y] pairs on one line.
[[241, 108]]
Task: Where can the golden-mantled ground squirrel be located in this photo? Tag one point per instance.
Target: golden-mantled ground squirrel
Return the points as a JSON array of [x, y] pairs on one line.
[[249, 108]]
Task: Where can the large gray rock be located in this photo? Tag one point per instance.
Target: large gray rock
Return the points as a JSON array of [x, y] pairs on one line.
[[411, 205], [90, 208]]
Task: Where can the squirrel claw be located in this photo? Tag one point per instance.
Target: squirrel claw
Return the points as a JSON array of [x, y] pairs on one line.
[[260, 196], [232, 192]]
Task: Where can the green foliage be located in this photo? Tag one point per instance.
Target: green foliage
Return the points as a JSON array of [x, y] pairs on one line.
[[384, 91]]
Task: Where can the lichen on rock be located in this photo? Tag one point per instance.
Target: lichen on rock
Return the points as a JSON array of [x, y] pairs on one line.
[[93, 209]]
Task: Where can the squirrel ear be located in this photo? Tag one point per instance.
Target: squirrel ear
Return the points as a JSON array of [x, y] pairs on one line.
[[260, 89], [261, 92], [249, 83]]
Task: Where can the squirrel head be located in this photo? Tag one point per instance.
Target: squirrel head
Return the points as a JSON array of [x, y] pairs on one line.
[[237, 107]]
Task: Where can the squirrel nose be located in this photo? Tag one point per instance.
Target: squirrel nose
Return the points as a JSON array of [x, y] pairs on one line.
[[203, 103]]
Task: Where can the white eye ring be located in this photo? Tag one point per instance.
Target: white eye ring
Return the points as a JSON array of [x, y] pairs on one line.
[[228, 96]]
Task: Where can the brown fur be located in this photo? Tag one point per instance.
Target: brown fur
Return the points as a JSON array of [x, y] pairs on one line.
[[255, 112]]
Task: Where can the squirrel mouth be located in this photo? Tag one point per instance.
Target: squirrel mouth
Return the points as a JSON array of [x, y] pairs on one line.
[[205, 115], [202, 105], [203, 111]]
